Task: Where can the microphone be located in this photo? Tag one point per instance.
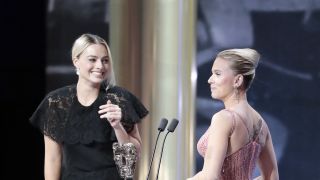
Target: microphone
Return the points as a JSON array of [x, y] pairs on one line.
[[162, 126], [173, 125], [171, 128]]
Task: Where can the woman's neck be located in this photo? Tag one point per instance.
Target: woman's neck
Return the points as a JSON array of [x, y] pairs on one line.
[[87, 94], [233, 101]]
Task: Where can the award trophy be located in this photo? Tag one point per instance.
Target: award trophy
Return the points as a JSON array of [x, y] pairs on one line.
[[125, 156]]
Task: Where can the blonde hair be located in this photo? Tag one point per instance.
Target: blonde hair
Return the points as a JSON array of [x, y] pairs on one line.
[[85, 41], [243, 61]]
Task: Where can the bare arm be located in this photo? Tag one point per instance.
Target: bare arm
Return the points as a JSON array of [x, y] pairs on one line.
[[52, 160], [217, 147], [267, 161], [133, 136]]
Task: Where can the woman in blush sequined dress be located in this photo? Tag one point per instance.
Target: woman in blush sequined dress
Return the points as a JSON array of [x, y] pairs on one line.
[[238, 137]]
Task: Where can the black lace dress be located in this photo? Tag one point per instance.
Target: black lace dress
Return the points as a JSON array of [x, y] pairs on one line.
[[85, 138]]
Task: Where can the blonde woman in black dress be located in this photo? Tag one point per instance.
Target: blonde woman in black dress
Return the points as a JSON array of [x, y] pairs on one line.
[[81, 121]]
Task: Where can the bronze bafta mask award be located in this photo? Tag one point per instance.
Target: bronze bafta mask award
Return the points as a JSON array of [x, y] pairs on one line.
[[125, 156]]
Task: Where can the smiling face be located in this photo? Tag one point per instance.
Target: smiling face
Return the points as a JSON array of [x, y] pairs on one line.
[[223, 80], [93, 64]]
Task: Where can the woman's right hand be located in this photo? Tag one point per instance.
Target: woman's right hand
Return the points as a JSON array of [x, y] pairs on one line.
[[112, 113]]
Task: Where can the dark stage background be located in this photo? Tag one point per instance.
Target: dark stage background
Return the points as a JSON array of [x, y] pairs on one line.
[[22, 88], [286, 89]]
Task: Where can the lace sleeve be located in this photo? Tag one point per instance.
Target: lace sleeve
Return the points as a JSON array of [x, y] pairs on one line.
[[139, 108], [49, 118]]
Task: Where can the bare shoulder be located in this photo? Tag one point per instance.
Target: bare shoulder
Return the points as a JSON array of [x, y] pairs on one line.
[[222, 118], [263, 130], [224, 114], [261, 122]]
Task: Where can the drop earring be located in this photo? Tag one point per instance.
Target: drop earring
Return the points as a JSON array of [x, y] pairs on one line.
[[78, 71]]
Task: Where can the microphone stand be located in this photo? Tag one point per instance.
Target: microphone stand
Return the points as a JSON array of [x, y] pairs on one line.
[[161, 154], [161, 128], [154, 150], [171, 128]]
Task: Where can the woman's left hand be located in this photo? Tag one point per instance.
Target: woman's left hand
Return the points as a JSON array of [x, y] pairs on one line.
[[112, 113]]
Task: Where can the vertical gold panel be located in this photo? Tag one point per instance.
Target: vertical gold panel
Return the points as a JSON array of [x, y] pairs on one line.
[[125, 42], [155, 58]]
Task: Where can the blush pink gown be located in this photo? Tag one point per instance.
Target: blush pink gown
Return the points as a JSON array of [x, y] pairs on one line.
[[240, 164]]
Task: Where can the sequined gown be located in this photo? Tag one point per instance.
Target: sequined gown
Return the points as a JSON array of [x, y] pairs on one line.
[[240, 164]]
